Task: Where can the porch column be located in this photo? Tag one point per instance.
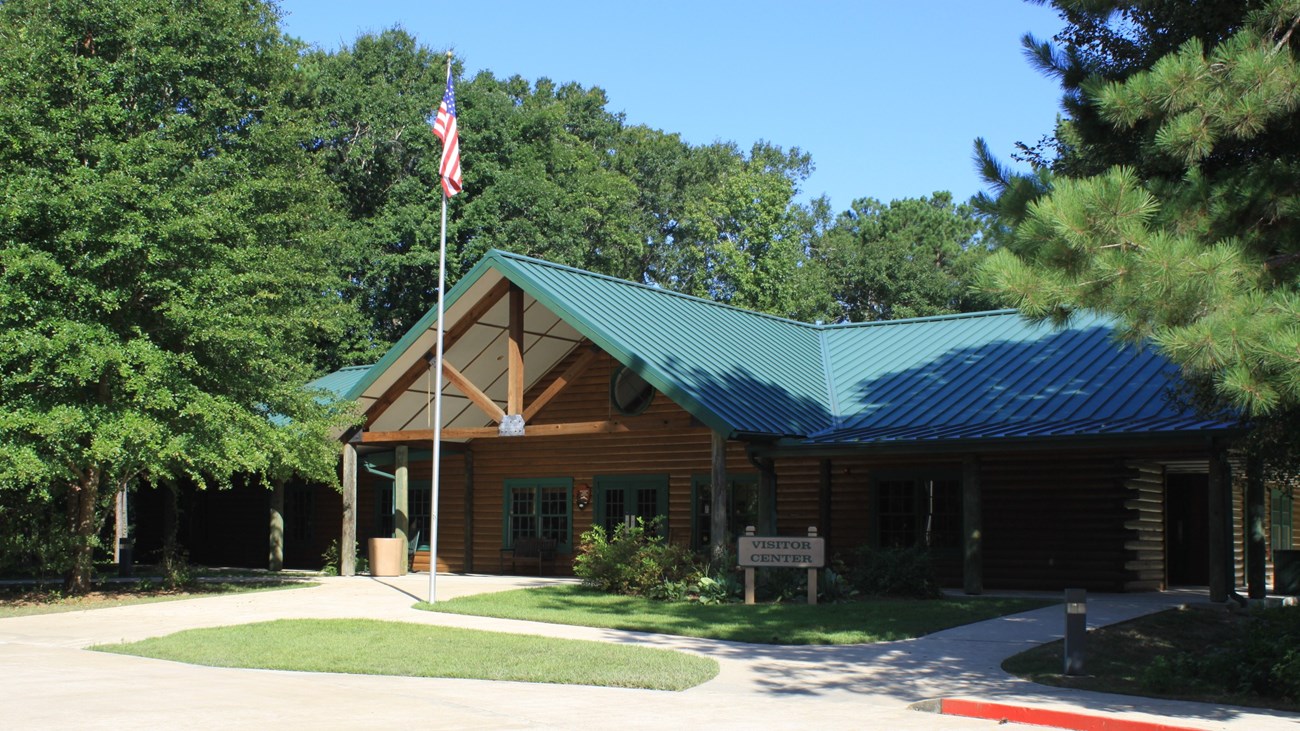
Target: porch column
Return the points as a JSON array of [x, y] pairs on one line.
[[402, 499], [824, 500], [767, 498], [275, 561], [1255, 537], [469, 509], [972, 527], [1220, 528], [718, 510], [348, 546]]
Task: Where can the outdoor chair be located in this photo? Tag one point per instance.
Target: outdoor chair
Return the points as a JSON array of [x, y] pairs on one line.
[[529, 549]]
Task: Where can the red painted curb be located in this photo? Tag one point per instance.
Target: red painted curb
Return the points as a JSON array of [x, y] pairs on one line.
[[1049, 717]]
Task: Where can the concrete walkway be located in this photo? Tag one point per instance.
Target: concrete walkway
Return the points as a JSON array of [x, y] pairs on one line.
[[50, 681]]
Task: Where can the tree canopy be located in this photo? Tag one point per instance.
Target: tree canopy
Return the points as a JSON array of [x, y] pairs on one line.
[[165, 259]]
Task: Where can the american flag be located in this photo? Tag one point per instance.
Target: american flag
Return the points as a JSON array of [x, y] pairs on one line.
[[444, 127]]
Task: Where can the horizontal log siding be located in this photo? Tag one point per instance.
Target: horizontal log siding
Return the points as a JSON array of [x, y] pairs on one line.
[[1146, 546], [1053, 522], [680, 451]]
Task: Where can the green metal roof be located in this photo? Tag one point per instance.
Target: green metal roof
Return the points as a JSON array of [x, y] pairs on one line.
[[978, 376]]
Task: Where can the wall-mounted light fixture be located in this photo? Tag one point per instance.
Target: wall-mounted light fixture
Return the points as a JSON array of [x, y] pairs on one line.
[[582, 496]]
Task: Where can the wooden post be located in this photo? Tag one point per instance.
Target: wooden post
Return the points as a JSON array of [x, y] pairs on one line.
[[469, 510], [348, 545], [718, 517], [812, 571], [749, 573], [1220, 534], [275, 561], [767, 498], [972, 527], [515, 361], [402, 501], [1255, 524], [824, 499]]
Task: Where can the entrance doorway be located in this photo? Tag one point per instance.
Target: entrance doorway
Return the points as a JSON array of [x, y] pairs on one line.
[[622, 499], [1187, 529]]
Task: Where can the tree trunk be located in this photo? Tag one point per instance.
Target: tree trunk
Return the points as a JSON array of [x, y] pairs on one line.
[[82, 500]]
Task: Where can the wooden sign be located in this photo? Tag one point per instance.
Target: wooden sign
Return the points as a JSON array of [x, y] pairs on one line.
[[781, 552]]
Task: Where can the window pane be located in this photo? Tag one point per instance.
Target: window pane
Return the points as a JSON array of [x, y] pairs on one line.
[[898, 518]]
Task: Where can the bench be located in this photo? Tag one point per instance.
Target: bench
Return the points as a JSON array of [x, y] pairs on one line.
[[529, 549]]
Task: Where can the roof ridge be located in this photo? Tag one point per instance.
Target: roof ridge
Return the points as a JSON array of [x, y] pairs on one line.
[[928, 318], [499, 253]]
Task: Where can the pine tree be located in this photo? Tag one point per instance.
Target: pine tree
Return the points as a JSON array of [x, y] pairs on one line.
[[1173, 197]]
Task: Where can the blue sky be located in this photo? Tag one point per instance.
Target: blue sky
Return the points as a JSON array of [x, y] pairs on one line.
[[886, 96]]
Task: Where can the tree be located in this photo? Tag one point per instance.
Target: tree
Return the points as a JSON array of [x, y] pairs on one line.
[[549, 172], [1173, 197], [166, 267], [909, 258]]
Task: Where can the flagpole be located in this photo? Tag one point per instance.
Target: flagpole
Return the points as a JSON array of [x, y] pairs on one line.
[[437, 398]]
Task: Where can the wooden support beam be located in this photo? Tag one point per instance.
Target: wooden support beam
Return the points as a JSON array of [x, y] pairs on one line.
[[972, 527], [1256, 540], [472, 392], [348, 545], [635, 424], [1220, 530], [449, 338], [275, 559], [515, 353], [469, 511], [718, 513], [571, 374]]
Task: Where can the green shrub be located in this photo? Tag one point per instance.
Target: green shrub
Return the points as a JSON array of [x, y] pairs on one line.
[[636, 561], [330, 560], [720, 589], [1267, 659], [892, 572], [779, 585]]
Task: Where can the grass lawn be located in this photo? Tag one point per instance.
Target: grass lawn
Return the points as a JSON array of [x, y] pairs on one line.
[[372, 647], [18, 601], [842, 623], [1120, 658]]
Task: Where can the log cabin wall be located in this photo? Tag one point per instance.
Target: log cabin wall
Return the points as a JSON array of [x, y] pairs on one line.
[[1146, 523], [1051, 519]]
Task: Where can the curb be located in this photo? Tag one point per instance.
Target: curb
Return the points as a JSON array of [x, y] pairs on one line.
[[1007, 713]]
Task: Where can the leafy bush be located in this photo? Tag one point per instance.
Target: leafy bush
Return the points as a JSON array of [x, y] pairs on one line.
[[893, 572], [1263, 660], [1267, 660], [330, 560], [834, 587], [720, 589], [636, 561], [778, 585]]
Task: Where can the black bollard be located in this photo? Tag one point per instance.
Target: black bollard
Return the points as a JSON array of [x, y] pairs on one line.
[[1076, 629]]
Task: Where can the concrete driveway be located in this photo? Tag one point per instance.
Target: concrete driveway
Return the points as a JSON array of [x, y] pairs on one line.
[[50, 681]]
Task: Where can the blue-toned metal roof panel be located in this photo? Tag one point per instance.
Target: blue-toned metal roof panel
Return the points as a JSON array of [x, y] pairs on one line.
[[996, 375]]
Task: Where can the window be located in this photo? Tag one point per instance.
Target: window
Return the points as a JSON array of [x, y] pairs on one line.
[[1281, 523], [628, 391], [742, 503], [913, 511], [539, 507]]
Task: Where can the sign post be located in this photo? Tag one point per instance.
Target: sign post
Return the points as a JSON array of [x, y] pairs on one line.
[[781, 552]]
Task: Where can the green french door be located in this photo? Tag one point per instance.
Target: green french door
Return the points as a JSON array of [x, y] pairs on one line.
[[621, 499]]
